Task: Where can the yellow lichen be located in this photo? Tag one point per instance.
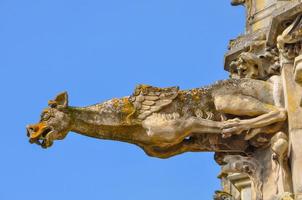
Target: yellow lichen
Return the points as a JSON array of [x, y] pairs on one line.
[[127, 107], [182, 95], [115, 103], [195, 95]]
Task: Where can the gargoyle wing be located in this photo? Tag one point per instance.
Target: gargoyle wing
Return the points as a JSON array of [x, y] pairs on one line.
[[148, 99]]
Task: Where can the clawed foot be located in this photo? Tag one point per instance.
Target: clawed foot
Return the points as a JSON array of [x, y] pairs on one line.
[[233, 127]]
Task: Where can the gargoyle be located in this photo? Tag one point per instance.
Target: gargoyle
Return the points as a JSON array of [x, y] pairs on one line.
[[167, 121], [247, 65], [255, 65]]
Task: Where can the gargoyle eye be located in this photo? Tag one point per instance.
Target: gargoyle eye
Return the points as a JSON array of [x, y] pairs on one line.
[[45, 116]]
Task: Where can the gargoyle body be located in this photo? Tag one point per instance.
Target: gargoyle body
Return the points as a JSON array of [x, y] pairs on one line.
[[167, 121]]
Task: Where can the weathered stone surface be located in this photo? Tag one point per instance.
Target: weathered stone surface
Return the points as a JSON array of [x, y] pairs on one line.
[[298, 70], [236, 97]]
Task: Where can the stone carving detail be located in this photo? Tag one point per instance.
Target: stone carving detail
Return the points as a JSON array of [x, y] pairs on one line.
[[256, 65], [286, 196], [220, 195], [247, 65], [279, 145], [289, 42], [245, 165], [148, 100], [271, 59]]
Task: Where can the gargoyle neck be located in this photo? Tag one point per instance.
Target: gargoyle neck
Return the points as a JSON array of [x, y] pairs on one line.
[[95, 123]]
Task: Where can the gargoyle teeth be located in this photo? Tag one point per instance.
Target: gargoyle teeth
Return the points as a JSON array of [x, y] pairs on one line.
[[45, 133]]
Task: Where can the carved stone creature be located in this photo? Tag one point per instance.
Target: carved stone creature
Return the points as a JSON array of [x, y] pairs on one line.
[[166, 121], [272, 60], [248, 166], [255, 63], [247, 65], [220, 195]]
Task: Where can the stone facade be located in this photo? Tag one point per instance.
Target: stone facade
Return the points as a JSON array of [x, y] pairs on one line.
[[270, 50]]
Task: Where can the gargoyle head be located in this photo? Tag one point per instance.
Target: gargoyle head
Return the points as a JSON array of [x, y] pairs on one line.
[[247, 65], [54, 123]]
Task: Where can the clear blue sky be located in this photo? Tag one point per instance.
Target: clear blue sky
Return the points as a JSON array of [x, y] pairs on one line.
[[97, 50]]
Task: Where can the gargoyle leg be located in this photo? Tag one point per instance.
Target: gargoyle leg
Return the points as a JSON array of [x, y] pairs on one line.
[[165, 130], [241, 105], [257, 122]]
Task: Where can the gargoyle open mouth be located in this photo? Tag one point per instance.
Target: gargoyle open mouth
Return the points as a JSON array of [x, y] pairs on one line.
[[39, 134]]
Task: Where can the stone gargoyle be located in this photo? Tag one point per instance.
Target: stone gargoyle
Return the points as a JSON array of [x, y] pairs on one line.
[[167, 121]]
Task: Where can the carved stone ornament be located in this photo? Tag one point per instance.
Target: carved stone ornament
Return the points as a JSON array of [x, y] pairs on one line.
[[289, 42], [252, 121], [220, 195], [249, 6], [245, 165]]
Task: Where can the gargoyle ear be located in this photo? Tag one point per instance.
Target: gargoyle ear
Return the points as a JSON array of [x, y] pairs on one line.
[[61, 101]]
